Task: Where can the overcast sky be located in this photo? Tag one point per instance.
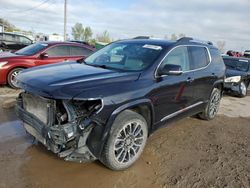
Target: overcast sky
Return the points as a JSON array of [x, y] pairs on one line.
[[214, 20]]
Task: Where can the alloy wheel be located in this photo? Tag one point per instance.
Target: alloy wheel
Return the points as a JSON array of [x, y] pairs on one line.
[[243, 88], [128, 142], [13, 77], [214, 104]]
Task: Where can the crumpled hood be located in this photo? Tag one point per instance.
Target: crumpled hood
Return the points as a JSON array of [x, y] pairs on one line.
[[66, 80]]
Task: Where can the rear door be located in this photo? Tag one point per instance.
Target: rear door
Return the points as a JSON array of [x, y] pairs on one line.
[[10, 41], [205, 75], [78, 52], [174, 93]]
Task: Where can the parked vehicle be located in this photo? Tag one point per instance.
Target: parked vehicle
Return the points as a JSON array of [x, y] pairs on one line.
[[39, 54], [105, 107], [247, 53], [237, 75], [13, 42]]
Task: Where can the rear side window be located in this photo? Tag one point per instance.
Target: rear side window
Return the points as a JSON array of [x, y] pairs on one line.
[[58, 51], [79, 51], [199, 56], [9, 37], [178, 56], [1, 36], [23, 40]]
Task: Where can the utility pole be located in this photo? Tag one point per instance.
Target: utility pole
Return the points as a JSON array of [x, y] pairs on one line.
[[65, 20]]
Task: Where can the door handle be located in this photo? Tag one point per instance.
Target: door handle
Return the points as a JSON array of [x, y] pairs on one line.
[[189, 79]]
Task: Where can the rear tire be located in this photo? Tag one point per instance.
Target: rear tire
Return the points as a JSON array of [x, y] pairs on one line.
[[126, 141], [11, 78], [212, 106]]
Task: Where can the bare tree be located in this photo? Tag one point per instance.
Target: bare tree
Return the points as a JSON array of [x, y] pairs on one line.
[[221, 46], [181, 35], [104, 37], [174, 37]]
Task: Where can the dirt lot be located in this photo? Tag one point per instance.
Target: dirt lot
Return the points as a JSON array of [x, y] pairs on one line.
[[188, 153]]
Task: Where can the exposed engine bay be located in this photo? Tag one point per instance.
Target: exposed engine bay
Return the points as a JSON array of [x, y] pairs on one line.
[[63, 126]]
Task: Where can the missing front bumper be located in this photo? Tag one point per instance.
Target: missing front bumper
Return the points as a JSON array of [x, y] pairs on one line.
[[65, 140]]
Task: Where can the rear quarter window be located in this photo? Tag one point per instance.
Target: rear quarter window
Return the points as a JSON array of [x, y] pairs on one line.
[[215, 55], [199, 56]]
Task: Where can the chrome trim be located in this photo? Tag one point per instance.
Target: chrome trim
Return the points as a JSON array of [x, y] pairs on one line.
[[209, 56], [176, 72], [243, 60], [180, 111]]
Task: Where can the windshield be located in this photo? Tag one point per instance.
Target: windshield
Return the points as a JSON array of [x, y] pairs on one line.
[[31, 49], [242, 66], [125, 56]]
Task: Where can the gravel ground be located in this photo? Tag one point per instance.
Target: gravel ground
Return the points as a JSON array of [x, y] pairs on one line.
[[187, 153]]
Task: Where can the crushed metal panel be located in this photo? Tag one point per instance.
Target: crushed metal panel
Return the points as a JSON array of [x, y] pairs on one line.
[[34, 133], [37, 106]]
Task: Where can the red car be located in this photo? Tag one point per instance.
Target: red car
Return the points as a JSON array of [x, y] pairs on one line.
[[40, 53]]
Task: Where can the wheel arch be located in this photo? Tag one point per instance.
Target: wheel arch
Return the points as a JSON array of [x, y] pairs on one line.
[[142, 106], [15, 67], [219, 84]]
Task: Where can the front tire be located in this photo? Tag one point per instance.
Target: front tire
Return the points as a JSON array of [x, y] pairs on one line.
[[242, 89], [212, 106], [126, 141], [11, 78]]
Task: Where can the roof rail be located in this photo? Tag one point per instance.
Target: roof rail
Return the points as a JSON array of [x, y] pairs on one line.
[[184, 39], [189, 39], [142, 37]]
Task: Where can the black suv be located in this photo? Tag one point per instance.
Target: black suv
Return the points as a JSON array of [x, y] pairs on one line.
[[106, 106], [237, 75], [12, 41]]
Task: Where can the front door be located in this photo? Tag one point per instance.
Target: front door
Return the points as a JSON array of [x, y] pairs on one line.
[[54, 54], [174, 92]]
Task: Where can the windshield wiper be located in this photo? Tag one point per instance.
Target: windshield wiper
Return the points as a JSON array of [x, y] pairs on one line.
[[80, 61], [96, 65], [101, 66]]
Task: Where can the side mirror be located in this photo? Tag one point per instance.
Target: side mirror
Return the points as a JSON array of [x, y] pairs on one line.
[[170, 69], [44, 55]]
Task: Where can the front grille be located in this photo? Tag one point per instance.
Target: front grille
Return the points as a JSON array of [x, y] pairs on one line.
[[38, 106]]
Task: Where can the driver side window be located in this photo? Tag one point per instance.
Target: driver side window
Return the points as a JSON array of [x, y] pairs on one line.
[[178, 56]]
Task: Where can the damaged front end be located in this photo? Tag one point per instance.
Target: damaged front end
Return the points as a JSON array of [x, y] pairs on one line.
[[63, 126]]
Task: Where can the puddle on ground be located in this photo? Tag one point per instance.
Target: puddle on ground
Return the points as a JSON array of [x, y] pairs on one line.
[[26, 164]]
